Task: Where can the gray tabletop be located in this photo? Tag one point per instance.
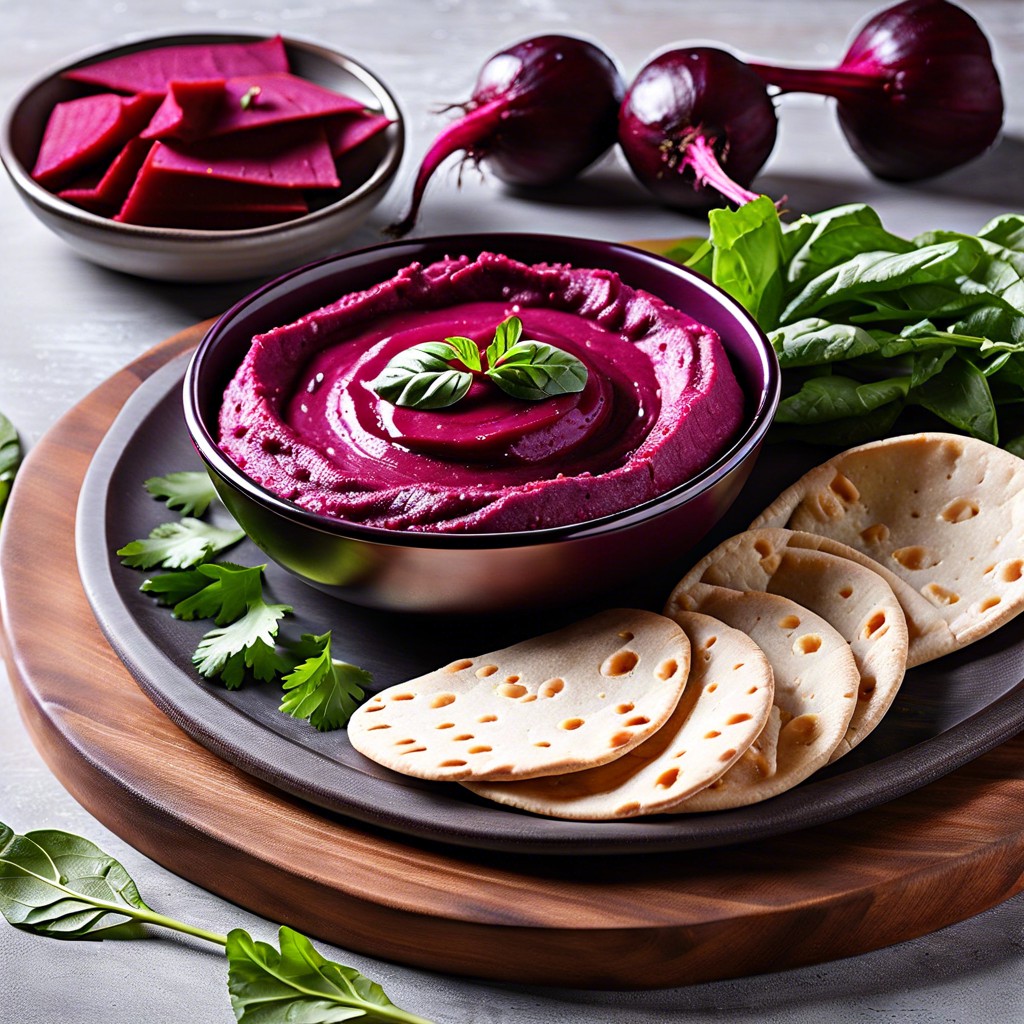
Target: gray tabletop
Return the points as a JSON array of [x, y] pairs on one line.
[[68, 325]]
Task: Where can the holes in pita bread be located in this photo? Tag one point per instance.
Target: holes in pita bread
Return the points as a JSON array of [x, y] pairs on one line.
[[763, 547], [939, 595], [627, 810], [458, 666], [374, 728], [626, 635], [528, 698], [1012, 571], [624, 709], [412, 750], [867, 687], [988, 603], [960, 510], [403, 696], [754, 689], [486, 670], [442, 700], [727, 755], [952, 450], [737, 666], [551, 687], [637, 720], [511, 690], [714, 734], [542, 743], [620, 739], [789, 622], [667, 669], [826, 506], [877, 533], [666, 780], [876, 626], [453, 763], [809, 643], [736, 719], [846, 592], [916, 557], [844, 489], [712, 687], [374, 707], [710, 642], [480, 748], [445, 725], [620, 663], [462, 737], [511, 679], [487, 718], [570, 723], [802, 729]]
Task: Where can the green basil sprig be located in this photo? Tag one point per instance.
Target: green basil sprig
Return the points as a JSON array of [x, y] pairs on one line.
[[437, 374]]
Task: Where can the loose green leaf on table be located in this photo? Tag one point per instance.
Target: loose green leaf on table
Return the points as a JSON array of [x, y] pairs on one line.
[[323, 689], [57, 884], [297, 985], [188, 491], [10, 459], [179, 545], [217, 590]]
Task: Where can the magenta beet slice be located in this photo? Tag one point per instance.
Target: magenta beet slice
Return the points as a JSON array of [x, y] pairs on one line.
[[163, 198], [87, 130], [256, 101], [108, 195], [151, 70], [347, 131], [286, 156], [187, 110]]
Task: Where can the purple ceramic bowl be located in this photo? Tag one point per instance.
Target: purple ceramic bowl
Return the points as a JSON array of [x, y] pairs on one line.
[[479, 572]]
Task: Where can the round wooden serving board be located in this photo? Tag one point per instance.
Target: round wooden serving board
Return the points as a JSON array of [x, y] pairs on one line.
[[939, 855]]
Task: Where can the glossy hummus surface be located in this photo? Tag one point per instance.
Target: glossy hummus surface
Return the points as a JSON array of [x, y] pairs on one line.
[[301, 419]]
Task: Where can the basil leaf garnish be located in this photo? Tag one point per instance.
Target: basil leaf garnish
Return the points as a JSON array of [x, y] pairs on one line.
[[422, 377], [467, 351], [533, 370], [506, 334]]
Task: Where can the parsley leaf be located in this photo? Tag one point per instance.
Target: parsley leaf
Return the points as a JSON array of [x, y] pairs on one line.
[[188, 491], [179, 545], [322, 689], [228, 591], [247, 643]]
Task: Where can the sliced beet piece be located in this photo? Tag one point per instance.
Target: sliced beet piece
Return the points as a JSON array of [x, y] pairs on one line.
[[87, 130], [285, 156], [187, 110], [163, 198], [256, 101], [346, 131], [107, 195], [151, 70]]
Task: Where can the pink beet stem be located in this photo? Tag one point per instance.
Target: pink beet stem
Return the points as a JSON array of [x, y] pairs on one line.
[[466, 133], [701, 157], [838, 82]]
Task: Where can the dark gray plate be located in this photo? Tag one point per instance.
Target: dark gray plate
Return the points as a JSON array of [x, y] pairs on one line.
[[947, 712]]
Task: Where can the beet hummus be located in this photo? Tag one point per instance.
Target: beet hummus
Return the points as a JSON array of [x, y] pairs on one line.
[[660, 403]]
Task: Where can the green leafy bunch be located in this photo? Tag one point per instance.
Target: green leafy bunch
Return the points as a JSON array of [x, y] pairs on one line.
[[10, 459], [244, 641], [57, 884], [437, 374], [867, 324]]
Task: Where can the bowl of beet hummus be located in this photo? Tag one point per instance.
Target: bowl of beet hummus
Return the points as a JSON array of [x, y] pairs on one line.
[[491, 501]]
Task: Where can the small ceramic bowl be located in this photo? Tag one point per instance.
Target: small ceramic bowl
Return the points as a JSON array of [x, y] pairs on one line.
[[179, 254], [479, 572]]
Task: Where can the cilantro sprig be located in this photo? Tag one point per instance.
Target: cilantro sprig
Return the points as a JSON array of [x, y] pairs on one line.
[[437, 374], [58, 884], [244, 640]]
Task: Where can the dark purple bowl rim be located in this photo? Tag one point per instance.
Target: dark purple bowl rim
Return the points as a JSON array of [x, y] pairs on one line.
[[748, 441]]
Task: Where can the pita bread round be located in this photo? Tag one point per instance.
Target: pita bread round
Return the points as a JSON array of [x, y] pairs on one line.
[[852, 598], [724, 707], [816, 682], [944, 513], [572, 699]]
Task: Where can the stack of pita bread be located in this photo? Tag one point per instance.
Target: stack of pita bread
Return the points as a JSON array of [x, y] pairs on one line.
[[777, 653]]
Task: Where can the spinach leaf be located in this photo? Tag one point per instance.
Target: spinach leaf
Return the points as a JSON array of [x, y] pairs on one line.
[[815, 341], [822, 399], [960, 395], [299, 986], [870, 272]]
